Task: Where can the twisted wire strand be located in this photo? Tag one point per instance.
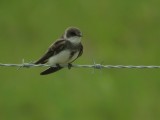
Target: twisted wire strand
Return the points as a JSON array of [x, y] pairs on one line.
[[95, 66]]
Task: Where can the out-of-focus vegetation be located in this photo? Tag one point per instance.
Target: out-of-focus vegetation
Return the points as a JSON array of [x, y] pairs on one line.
[[115, 32]]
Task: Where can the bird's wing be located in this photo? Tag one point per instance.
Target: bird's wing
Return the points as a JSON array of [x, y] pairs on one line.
[[81, 51], [54, 49]]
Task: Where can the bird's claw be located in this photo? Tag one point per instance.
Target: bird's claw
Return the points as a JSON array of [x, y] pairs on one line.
[[57, 65], [69, 65]]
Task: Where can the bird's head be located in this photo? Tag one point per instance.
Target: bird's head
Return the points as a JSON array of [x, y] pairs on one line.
[[73, 35]]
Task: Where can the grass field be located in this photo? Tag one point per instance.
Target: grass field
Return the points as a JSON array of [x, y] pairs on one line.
[[115, 32]]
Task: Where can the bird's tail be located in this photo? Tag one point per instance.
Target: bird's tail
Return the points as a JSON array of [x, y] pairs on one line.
[[51, 70]]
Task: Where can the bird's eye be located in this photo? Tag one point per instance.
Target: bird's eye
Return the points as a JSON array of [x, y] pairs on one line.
[[73, 34]]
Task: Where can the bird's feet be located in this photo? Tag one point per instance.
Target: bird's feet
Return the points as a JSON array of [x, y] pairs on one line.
[[69, 65], [57, 65]]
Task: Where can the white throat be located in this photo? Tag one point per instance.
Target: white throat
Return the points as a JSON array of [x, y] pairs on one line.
[[74, 40]]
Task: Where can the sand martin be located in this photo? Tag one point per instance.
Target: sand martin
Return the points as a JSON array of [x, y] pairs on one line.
[[63, 51]]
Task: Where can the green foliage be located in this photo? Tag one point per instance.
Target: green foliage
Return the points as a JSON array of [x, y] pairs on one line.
[[115, 32]]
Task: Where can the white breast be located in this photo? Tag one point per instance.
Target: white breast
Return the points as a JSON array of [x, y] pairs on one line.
[[62, 58]]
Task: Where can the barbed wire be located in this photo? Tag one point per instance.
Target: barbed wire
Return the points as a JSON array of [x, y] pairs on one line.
[[95, 66]]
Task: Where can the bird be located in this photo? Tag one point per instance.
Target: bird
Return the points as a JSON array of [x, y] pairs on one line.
[[63, 51]]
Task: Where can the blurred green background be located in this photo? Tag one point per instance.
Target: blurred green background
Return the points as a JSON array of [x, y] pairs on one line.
[[115, 32]]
